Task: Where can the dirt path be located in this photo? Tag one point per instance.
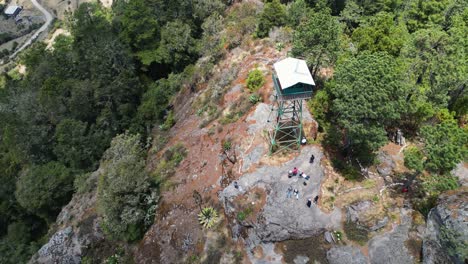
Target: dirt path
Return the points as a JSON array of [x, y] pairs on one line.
[[48, 16]]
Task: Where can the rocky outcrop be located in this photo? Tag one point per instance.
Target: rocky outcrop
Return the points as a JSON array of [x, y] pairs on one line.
[[357, 213], [387, 164], [346, 254], [461, 171], [78, 230], [390, 248], [447, 230], [284, 218]]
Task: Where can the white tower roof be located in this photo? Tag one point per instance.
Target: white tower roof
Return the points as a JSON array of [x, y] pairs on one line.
[[11, 10], [291, 71]]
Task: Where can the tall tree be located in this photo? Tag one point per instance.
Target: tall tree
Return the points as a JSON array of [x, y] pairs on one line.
[[369, 95], [317, 40], [126, 198], [273, 15], [422, 14], [381, 33], [445, 146], [43, 189]]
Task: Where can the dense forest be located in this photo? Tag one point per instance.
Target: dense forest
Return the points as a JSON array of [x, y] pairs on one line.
[[96, 95]]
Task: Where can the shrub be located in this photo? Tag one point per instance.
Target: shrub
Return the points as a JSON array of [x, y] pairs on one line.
[[319, 106], [274, 14], [83, 183], [255, 98], [169, 122], [255, 80], [242, 215], [414, 159], [171, 158], [445, 146], [437, 184], [208, 217], [126, 195], [356, 233], [240, 22], [227, 145]]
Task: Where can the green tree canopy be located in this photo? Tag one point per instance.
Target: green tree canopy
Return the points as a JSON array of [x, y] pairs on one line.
[[445, 146], [381, 33], [273, 15], [369, 95], [425, 13], [317, 39], [126, 198], [414, 159], [44, 188], [178, 47]]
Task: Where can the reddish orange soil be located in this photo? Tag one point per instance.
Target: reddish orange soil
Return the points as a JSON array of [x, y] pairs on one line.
[[201, 170]]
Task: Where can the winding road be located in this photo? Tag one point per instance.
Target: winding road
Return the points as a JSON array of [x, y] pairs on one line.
[[48, 16]]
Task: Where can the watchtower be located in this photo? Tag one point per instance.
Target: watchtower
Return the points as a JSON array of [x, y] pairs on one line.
[[293, 83]]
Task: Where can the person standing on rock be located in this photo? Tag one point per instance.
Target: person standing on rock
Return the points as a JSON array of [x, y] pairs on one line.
[[309, 203], [289, 192], [316, 199], [296, 193]]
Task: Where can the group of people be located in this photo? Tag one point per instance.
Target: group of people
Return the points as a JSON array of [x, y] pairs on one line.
[[295, 192], [295, 172]]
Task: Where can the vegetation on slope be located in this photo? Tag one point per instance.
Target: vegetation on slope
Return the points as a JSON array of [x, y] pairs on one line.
[[398, 64]]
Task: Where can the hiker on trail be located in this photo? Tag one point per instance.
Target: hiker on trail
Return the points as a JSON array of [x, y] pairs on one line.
[[305, 176], [311, 160], [290, 174], [296, 193], [295, 171], [316, 199], [236, 185], [289, 192], [309, 203]]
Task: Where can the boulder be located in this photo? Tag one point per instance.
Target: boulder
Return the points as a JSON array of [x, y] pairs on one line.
[[380, 224], [461, 171], [387, 164], [356, 211], [390, 248], [61, 248], [346, 254], [446, 234]]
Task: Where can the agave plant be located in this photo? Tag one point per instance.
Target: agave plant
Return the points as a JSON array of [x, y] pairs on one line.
[[208, 217]]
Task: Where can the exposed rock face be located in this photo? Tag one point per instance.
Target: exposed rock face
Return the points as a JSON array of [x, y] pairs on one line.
[[285, 218], [387, 165], [390, 248], [78, 230], [447, 230], [357, 212], [461, 171], [346, 254]]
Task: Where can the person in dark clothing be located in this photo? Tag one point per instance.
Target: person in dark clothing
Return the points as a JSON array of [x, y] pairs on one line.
[[311, 160], [236, 185], [309, 203], [316, 199]]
